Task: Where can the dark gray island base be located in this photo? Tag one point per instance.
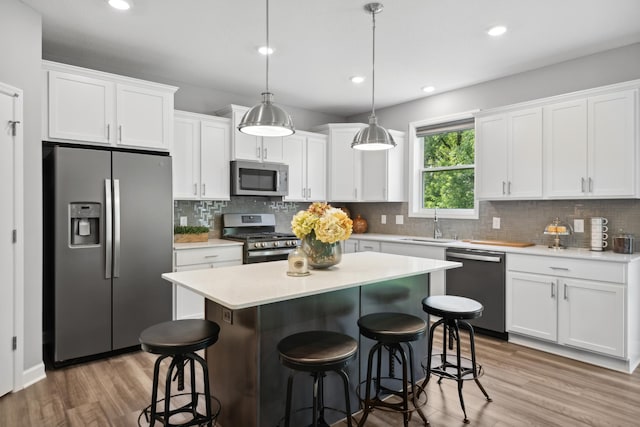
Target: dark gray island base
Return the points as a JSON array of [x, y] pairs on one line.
[[244, 368]]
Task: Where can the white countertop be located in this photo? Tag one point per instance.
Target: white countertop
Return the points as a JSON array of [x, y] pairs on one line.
[[208, 244], [251, 285], [577, 253]]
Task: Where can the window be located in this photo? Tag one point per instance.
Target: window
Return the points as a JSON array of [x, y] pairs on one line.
[[444, 168]]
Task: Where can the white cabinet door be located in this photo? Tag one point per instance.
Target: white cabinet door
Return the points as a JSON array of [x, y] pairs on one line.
[[80, 108], [611, 147], [344, 166], [350, 246], [397, 179], [188, 304], [525, 154], [295, 155], [144, 117], [592, 316], [316, 170], [272, 149], [214, 160], [565, 162], [492, 156], [186, 158], [532, 305], [374, 175], [245, 147]]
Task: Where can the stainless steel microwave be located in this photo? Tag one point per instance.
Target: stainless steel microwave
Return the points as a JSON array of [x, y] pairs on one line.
[[259, 179]]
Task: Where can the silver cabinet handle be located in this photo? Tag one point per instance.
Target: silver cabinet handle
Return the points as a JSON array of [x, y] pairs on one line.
[[472, 257], [120, 133], [508, 187], [211, 256], [503, 188], [582, 184], [559, 268], [116, 228], [264, 150], [553, 289], [108, 132], [304, 193], [108, 242], [590, 185], [204, 189], [355, 192], [565, 291], [258, 152], [308, 193], [195, 188]]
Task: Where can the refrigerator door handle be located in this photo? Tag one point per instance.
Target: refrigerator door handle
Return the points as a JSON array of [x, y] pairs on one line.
[[108, 231], [116, 228]]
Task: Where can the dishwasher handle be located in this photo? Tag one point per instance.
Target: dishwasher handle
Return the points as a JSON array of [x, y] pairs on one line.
[[474, 257]]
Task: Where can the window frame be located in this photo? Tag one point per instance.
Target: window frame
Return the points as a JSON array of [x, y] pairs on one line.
[[416, 168]]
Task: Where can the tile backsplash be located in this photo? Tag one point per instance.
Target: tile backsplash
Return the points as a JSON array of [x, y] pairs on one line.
[[519, 220]]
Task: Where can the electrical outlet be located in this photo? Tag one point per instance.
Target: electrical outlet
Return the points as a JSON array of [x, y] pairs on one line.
[[383, 219], [496, 223], [578, 225], [183, 220], [399, 220], [227, 315]]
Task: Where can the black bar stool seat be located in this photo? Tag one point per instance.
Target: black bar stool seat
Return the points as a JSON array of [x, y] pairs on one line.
[[179, 340], [390, 331], [454, 312], [317, 352]]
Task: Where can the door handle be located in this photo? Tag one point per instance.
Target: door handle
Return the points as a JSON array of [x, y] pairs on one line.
[[108, 242], [582, 185], [565, 291], [503, 188], [590, 185], [195, 189], [258, 155], [108, 132], [553, 290], [116, 228], [508, 187], [120, 133], [204, 189], [264, 150]]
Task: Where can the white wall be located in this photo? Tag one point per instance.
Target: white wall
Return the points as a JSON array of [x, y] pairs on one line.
[[613, 66], [20, 65]]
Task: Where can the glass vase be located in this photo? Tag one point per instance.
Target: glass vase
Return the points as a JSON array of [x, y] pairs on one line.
[[319, 254]]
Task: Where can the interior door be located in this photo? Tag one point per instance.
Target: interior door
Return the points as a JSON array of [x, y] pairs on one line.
[[143, 203], [7, 224]]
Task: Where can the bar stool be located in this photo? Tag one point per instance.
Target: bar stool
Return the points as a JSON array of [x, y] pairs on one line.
[[179, 340], [317, 352], [391, 330], [454, 312]]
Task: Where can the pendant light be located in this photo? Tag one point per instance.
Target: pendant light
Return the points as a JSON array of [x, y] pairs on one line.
[[373, 137], [266, 118]]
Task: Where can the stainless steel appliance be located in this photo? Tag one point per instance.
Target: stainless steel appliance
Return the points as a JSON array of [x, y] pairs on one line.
[[107, 239], [259, 179], [482, 278], [261, 242]]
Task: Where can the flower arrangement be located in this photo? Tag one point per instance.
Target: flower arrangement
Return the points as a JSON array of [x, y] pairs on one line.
[[326, 223]]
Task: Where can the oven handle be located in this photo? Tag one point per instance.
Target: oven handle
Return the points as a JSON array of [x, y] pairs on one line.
[[484, 258], [269, 252]]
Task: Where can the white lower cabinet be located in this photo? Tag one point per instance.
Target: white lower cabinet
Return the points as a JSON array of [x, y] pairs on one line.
[[437, 278], [188, 304], [574, 303], [350, 246]]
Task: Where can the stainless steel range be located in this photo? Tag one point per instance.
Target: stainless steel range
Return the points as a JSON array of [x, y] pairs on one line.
[[261, 242]]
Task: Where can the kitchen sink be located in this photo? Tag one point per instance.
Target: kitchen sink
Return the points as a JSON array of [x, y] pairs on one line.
[[427, 240]]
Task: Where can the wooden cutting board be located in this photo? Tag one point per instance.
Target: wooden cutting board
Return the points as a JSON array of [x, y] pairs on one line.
[[500, 243]]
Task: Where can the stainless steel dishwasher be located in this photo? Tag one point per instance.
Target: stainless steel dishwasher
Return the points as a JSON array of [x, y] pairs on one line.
[[482, 278]]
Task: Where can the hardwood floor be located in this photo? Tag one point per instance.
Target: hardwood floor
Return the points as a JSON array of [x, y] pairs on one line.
[[528, 387]]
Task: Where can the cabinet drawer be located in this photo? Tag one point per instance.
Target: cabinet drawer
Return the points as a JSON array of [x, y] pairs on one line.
[[208, 255], [368, 246], [566, 267]]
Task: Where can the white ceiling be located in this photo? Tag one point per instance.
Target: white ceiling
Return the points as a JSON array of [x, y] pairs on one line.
[[320, 44]]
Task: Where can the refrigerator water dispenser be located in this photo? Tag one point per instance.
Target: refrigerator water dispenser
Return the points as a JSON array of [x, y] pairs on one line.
[[84, 219]]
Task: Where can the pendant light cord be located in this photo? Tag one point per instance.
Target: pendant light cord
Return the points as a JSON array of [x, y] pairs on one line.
[[268, 53], [373, 67]]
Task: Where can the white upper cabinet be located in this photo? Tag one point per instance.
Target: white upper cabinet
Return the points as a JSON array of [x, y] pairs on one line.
[[344, 171], [201, 157], [383, 172], [509, 155], [86, 106], [306, 155], [250, 147], [590, 146]]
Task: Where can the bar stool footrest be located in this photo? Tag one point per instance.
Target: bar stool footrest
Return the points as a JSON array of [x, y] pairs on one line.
[[321, 422], [198, 420], [379, 402], [448, 368]]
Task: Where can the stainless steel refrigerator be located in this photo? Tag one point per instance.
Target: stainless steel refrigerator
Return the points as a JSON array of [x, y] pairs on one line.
[[108, 238]]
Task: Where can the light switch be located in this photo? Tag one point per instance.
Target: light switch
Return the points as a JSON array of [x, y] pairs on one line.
[[496, 223], [578, 225], [183, 220], [399, 220], [383, 219]]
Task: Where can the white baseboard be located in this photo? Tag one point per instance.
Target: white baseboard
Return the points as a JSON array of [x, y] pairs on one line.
[[33, 375]]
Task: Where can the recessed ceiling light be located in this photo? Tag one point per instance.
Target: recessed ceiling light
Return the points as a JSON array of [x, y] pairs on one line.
[[265, 50], [428, 89], [120, 4], [357, 79], [496, 31]]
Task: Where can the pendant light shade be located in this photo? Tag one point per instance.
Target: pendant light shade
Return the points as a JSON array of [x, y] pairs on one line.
[[266, 118], [374, 136]]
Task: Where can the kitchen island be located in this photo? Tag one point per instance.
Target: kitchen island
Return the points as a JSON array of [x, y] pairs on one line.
[[256, 305]]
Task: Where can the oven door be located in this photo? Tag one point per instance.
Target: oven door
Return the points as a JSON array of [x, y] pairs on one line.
[[266, 255]]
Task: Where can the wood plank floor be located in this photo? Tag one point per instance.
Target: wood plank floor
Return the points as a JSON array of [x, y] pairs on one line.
[[528, 387]]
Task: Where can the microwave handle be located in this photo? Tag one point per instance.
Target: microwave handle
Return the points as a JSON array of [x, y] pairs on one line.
[[277, 180]]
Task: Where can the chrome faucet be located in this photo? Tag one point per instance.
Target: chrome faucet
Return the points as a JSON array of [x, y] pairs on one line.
[[437, 234]]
